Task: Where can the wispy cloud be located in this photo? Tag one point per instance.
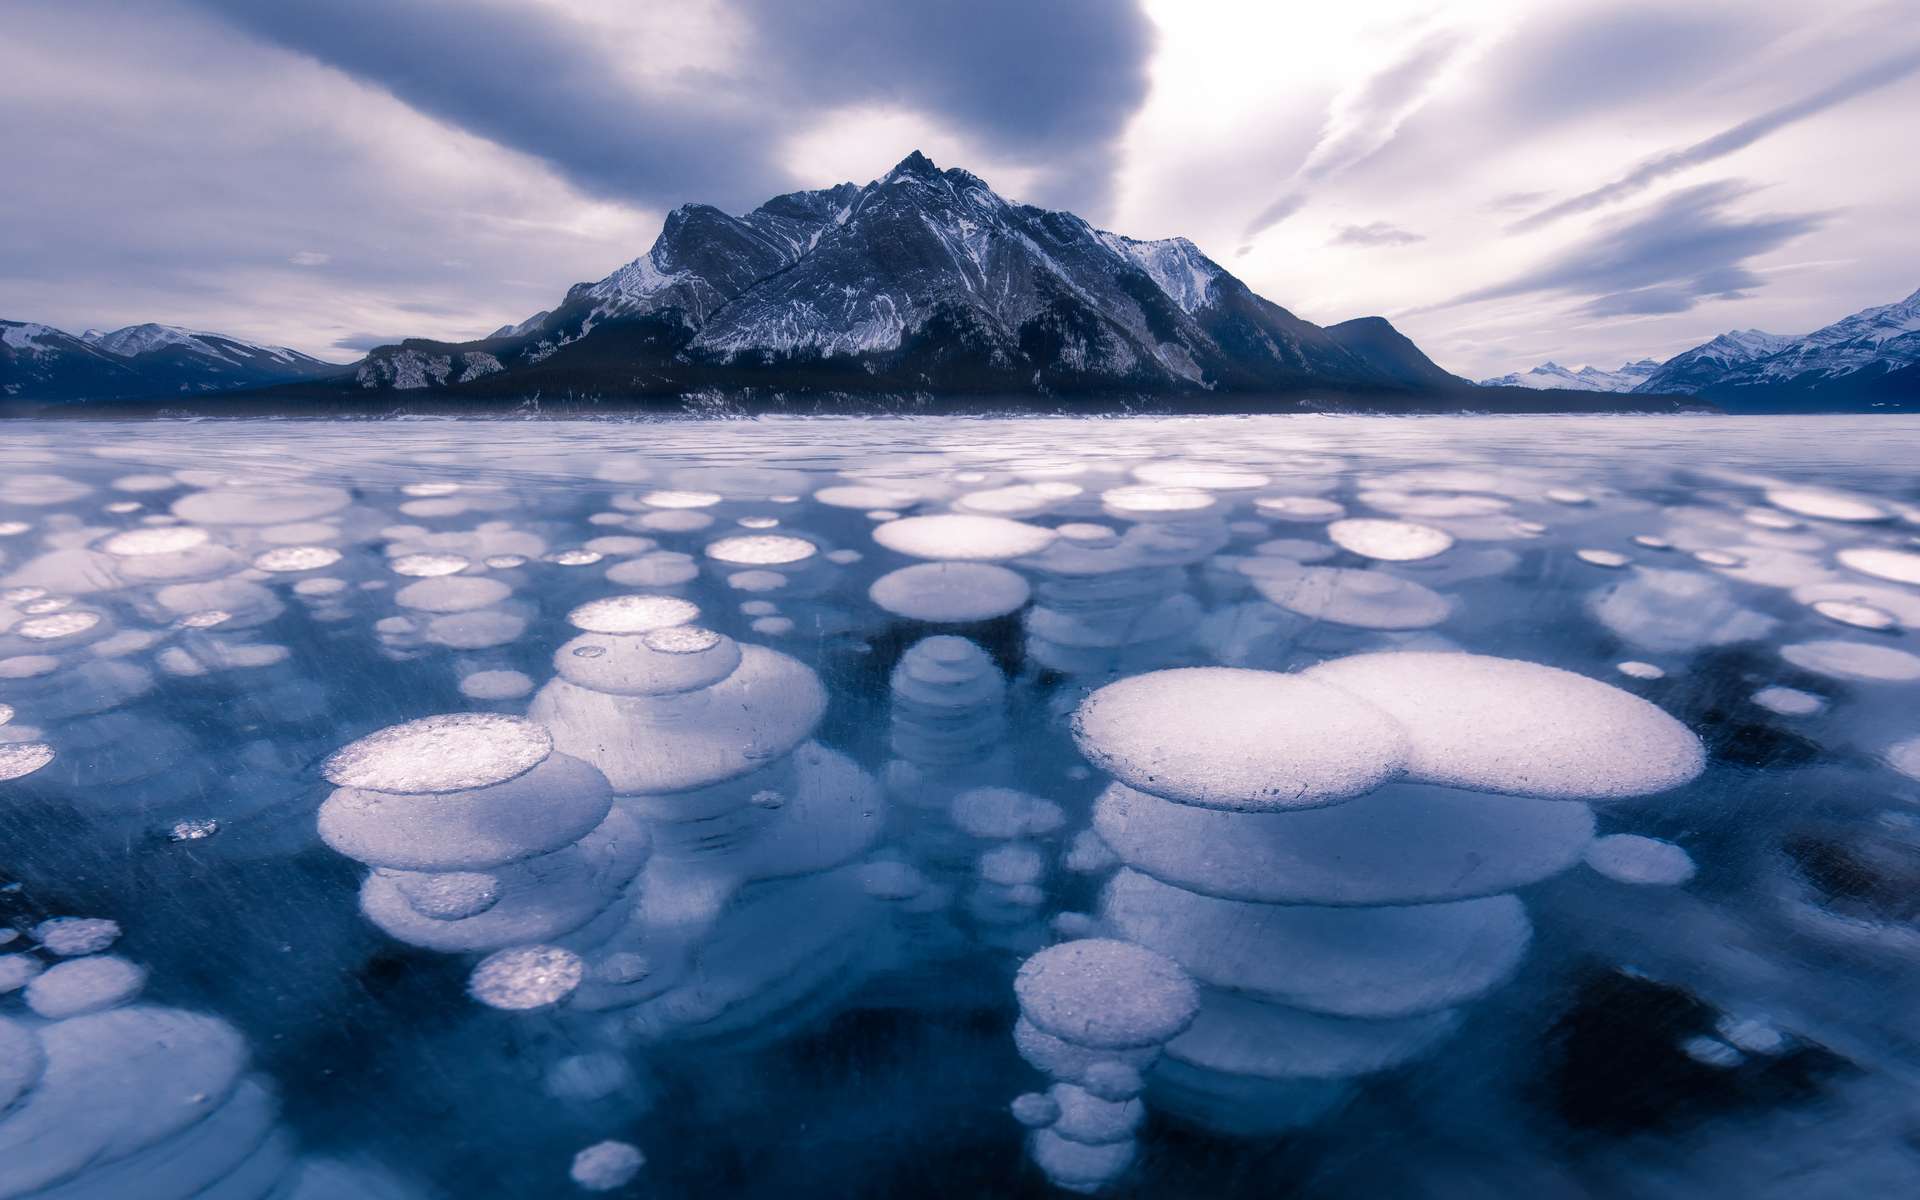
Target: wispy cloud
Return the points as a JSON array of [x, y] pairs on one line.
[[1376, 233], [1739, 137]]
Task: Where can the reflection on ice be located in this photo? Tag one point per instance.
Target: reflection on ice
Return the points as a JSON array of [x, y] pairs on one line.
[[425, 811]]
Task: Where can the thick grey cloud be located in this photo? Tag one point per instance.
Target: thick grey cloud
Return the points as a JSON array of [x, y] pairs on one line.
[[1739, 137], [1666, 257], [1049, 84], [1376, 233]]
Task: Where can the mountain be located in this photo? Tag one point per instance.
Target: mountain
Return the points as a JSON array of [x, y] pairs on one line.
[[1628, 378], [924, 282], [1869, 360], [1711, 362], [140, 362]]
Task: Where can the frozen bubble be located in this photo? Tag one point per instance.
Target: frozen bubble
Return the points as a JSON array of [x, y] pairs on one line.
[[1900, 566], [13, 528], [1021, 500], [773, 626], [166, 539], [1503, 725], [427, 566], [505, 562], [624, 547], [6, 713], [1711, 1052], [669, 661], [1102, 993], [1602, 558], [763, 549], [1751, 1034], [758, 522], [1668, 612], [425, 490], [1382, 961], [1851, 612], [454, 753], [1899, 603], [495, 685], [661, 568], [49, 605], [206, 618], [575, 558], [757, 581], [1297, 549], [632, 614], [193, 830], [1012, 865], [1568, 496], [452, 594], [1854, 660], [1788, 702], [864, 497], [1077, 1166], [74, 936], [320, 586], [1403, 844], [1639, 670], [1094, 1120], [1086, 532], [681, 499], [1630, 858], [448, 895], [1213, 477], [21, 759], [296, 558], [1651, 542], [261, 504], [1113, 1081], [84, 985], [844, 557], [1361, 599], [1241, 1036], [1221, 737], [526, 977], [1718, 558], [28, 666], [946, 592], [1035, 1110], [1391, 541], [1000, 814], [604, 1166], [962, 536], [40, 490], [1153, 499], [1827, 506], [1766, 518], [15, 971], [57, 626], [891, 880], [1904, 757]]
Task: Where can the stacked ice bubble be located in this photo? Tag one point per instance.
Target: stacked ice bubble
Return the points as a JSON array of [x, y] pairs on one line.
[[1095, 1015], [1332, 855], [753, 826], [481, 835], [103, 1095]]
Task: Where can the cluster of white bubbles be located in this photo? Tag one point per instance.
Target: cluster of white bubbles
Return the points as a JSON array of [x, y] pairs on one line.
[[105, 1094], [1330, 857]]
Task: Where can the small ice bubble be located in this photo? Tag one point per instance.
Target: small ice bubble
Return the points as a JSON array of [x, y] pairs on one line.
[[773, 626], [1718, 558], [1826, 506], [1602, 558], [843, 557], [758, 608], [505, 562], [206, 618], [427, 490], [1651, 542], [1640, 670], [1751, 1034], [1068, 926], [495, 685], [426, 566], [575, 558], [13, 528], [623, 966], [296, 558], [192, 830], [1630, 858], [84, 985], [680, 499], [166, 539], [16, 970], [768, 798], [1860, 616], [604, 1166], [765, 550], [1035, 1110], [1903, 757], [57, 626], [1854, 660], [1900, 566], [526, 978], [589, 651], [73, 936], [51, 604], [1712, 1052], [963, 537], [21, 759], [1568, 496], [6, 713], [1788, 702], [1389, 541], [1103, 993], [758, 522], [1113, 1081]]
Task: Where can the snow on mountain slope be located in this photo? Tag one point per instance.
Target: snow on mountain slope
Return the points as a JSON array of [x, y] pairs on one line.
[[1586, 379], [40, 362]]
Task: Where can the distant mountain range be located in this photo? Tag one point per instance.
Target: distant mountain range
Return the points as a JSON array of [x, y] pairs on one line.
[[1865, 361], [921, 288], [140, 362]]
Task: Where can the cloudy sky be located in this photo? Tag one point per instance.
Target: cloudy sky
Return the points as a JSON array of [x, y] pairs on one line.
[[1508, 180]]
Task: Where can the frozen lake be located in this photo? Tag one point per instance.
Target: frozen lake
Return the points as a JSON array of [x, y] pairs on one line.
[[1250, 807]]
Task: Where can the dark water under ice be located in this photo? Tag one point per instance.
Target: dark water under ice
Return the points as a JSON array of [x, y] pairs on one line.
[[748, 894]]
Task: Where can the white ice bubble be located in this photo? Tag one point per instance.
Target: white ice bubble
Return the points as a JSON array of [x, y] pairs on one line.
[[21, 759], [1827, 506], [1105, 994], [1389, 541], [1639, 670], [452, 594], [84, 985], [261, 504], [1856, 614], [950, 592], [671, 499], [862, 496], [526, 978], [165, 539], [15, 971], [495, 685], [1221, 737], [296, 558], [962, 537], [632, 614], [1630, 858], [74, 936], [1602, 558], [1904, 757], [1361, 599], [605, 1166], [1897, 602], [454, 753], [1900, 566], [1711, 1052], [1504, 725], [1568, 496], [1854, 660], [59, 625], [762, 550], [1035, 1110], [6, 713], [1788, 702], [427, 566], [1156, 500]]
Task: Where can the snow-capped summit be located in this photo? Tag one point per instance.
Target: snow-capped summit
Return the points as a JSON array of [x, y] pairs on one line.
[[1587, 379], [923, 280], [139, 361]]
